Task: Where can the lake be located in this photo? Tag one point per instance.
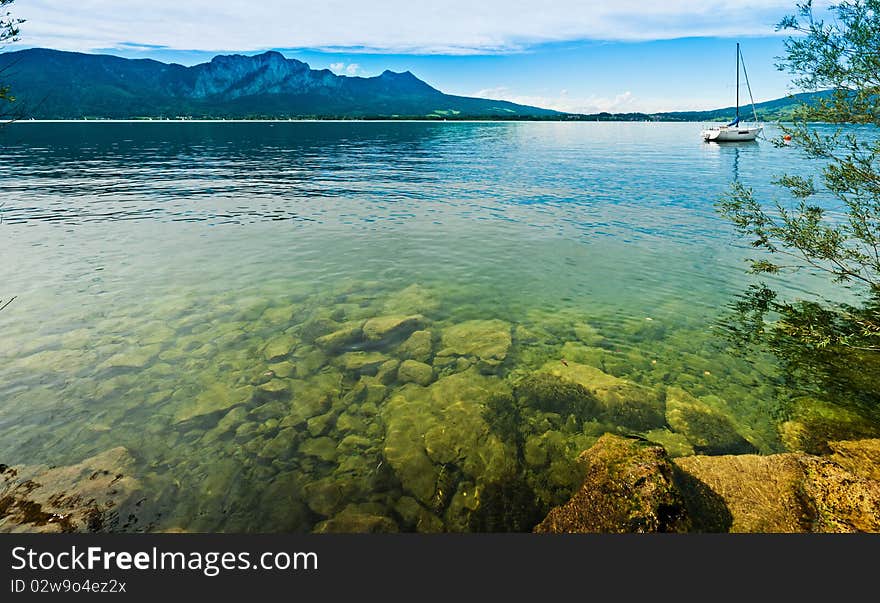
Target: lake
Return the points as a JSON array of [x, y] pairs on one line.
[[288, 325]]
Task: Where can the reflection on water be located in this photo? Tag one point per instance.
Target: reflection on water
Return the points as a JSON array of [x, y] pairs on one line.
[[357, 326]]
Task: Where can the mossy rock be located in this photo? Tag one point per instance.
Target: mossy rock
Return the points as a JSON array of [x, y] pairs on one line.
[[322, 448], [281, 446], [419, 346], [790, 492], [675, 444], [132, 358], [98, 494], [588, 334], [861, 457], [278, 348], [348, 334], [313, 396], [284, 509], [351, 521], [506, 506], [628, 487], [414, 299], [620, 402], [283, 370], [274, 389], [546, 392], [487, 341], [416, 517], [444, 420], [707, 428], [413, 371], [382, 328], [328, 495], [813, 423], [361, 362], [216, 397]]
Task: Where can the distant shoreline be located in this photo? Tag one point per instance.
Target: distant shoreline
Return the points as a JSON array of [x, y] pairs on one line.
[[329, 120]]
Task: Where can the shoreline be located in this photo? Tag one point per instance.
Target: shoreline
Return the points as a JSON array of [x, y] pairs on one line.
[[318, 120]]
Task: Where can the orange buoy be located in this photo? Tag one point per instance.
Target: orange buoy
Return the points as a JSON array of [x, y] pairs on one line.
[[787, 137]]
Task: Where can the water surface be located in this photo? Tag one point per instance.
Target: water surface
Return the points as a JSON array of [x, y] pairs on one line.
[[175, 281]]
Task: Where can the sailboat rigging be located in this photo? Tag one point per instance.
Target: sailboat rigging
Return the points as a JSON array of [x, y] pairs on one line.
[[737, 130]]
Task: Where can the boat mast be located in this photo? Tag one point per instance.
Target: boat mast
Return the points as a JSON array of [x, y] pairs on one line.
[[737, 82]]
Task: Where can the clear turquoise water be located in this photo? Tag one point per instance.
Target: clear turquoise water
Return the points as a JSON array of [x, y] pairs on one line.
[[152, 263]]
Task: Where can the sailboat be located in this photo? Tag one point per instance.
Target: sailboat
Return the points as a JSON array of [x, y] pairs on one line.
[[737, 130]]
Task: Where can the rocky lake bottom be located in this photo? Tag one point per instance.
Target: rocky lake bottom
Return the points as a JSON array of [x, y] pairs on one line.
[[403, 348]]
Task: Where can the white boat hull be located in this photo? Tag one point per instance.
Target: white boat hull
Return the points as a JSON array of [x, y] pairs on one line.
[[732, 133]]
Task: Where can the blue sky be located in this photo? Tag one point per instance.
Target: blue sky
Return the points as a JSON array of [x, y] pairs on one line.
[[586, 56]]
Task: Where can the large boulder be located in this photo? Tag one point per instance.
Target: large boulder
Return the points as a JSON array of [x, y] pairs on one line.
[[790, 492], [861, 457], [629, 487]]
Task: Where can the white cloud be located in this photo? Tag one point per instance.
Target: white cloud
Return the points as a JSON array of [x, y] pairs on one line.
[[343, 69], [451, 27]]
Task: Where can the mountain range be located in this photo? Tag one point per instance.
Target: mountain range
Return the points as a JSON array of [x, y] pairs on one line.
[[53, 84]]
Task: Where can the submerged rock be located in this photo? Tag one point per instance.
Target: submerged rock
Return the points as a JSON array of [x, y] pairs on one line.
[[620, 402], [323, 448], [278, 348], [362, 362], [451, 411], [550, 393], [813, 423], [418, 347], [487, 341], [414, 299], [313, 396], [708, 429], [134, 358], [95, 495], [417, 517], [349, 334], [675, 443], [412, 371], [327, 496], [281, 446], [283, 370], [389, 327], [351, 520], [216, 397], [274, 389], [629, 487]]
